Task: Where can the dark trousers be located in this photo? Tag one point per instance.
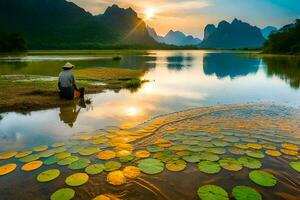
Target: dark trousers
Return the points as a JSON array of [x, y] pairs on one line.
[[68, 92]]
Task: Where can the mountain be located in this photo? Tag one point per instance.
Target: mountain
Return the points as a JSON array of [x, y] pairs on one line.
[[174, 38], [46, 24], [267, 31], [126, 22], [236, 35], [285, 41]]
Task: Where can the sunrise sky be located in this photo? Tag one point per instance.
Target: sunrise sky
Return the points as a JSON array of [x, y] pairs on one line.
[[191, 16]]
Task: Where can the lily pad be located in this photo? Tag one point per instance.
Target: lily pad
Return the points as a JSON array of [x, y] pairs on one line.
[[154, 148], [7, 155], [79, 164], [250, 163], [63, 194], [262, 178], [178, 148], [23, 154], [131, 172], [191, 158], [48, 175], [88, 151], [209, 156], [111, 166], [106, 155], [230, 164], [77, 179], [176, 166], [273, 153], [245, 193], [40, 148], [212, 192], [68, 160], [216, 150], [142, 154], [220, 143], [29, 158], [209, 167], [195, 148], [50, 161], [236, 151], [59, 144], [32, 165], [151, 166], [116, 178], [94, 169], [62, 155], [295, 165], [255, 154], [127, 158], [8, 168]]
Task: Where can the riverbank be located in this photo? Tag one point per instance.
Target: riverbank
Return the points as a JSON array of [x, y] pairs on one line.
[[23, 93]]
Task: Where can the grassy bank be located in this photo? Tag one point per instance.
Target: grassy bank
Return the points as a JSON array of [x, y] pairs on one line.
[[26, 93]]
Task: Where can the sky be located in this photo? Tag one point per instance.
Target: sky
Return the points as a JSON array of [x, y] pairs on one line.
[[191, 16]]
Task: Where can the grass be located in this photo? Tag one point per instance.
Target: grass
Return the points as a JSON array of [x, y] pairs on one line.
[[19, 93]]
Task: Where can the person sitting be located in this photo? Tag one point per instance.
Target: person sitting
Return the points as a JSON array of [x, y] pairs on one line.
[[67, 84]]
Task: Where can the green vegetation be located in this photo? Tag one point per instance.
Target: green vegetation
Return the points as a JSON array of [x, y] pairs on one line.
[[285, 41], [35, 94], [12, 43]]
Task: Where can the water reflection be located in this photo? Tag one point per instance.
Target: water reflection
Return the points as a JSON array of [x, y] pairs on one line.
[[68, 114], [229, 65], [179, 61], [286, 68]]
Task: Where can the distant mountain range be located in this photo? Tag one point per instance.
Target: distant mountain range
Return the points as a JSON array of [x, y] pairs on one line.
[[174, 38], [267, 31], [61, 24], [234, 35]]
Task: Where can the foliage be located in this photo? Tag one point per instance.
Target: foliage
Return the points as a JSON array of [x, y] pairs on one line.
[[11, 42], [286, 40]]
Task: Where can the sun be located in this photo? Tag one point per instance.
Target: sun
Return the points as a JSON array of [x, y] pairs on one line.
[[149, 13]]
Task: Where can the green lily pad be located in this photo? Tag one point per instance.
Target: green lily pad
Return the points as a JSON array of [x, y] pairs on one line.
[[176, 166], [77, 179], [295, 165], [151, 166], [111, 166], [178, 147], [216, 150], [184, 153], [59, 149], [75, 149], [231, 139], [63, 194], [209, 167], [250, 163], [62, 155], [79, 164], [230, 164], [94, 169], [220, 143], [262, 178], [205, 144], [89, 151], [68, 160], [195, 148], [40, 148], [255, 154], [50, 161], [48, 175], [245, 193], [127, 158], [236, 151], [209, 156], [29, 158], [212, 192], [46, 154], [154, 148], [191, 158], [168, 158], [190, 142], [59, 144]]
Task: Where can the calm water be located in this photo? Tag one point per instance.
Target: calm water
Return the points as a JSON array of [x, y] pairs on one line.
[[179, 80]]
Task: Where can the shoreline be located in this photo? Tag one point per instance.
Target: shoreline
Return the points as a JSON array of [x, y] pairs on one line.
[[23, 95]]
